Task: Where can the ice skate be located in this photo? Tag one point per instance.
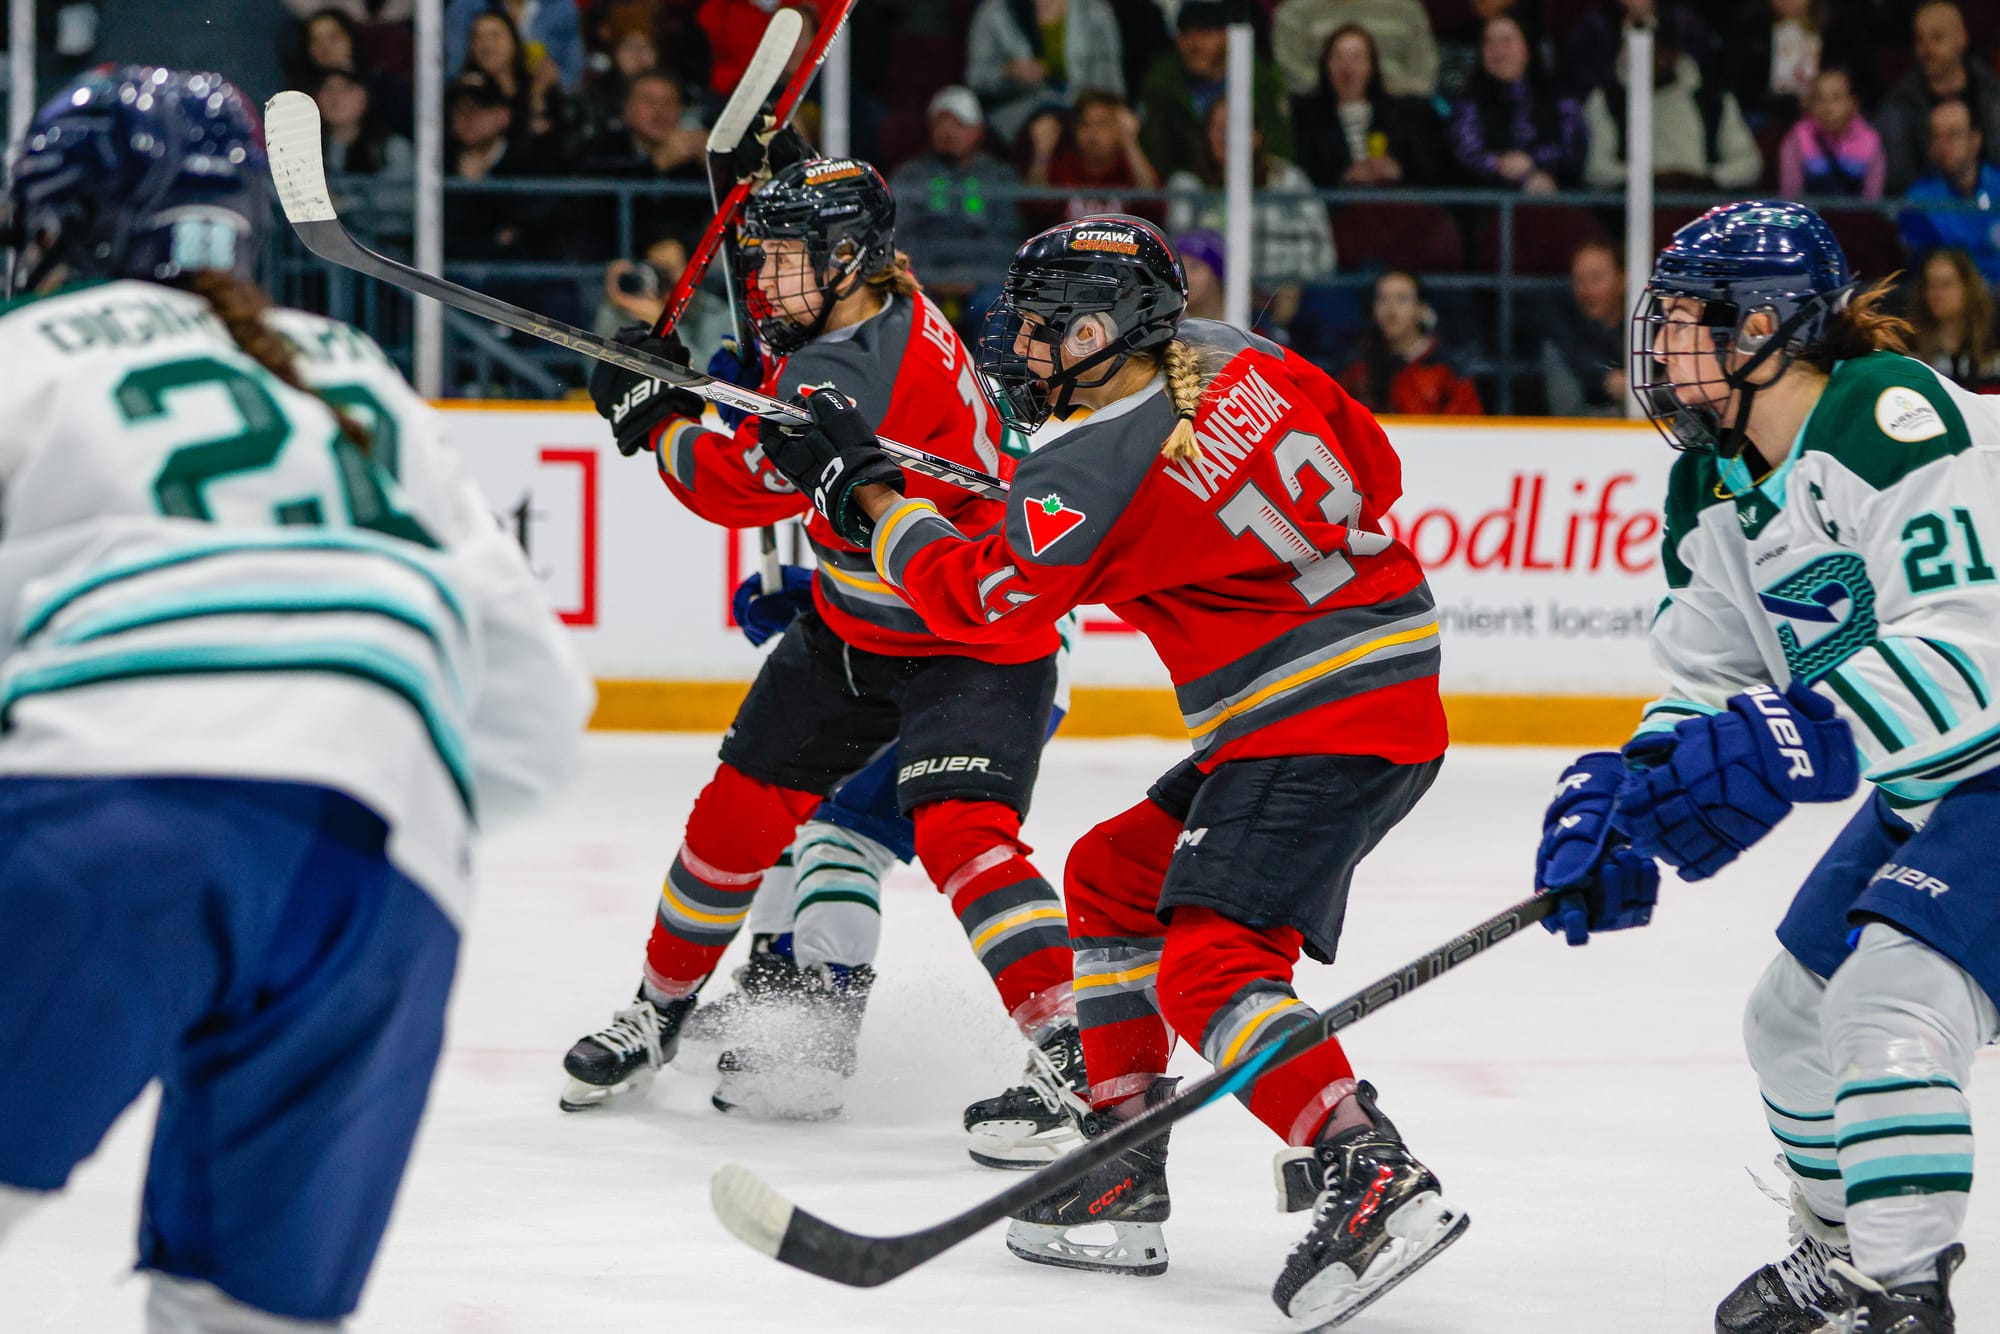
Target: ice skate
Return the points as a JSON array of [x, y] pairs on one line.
[[765, 975], [1035, 1122], [1796, 1295], [796, 1050], [622, 1056], [1923, 1307], [1129, 1194], [1378, 1216]]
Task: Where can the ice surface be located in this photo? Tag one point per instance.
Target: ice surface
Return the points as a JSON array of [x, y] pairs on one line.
[[1589, 1108]]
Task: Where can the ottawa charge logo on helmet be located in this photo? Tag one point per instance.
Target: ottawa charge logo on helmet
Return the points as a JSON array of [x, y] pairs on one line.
[[1115, 240], [835, 169]]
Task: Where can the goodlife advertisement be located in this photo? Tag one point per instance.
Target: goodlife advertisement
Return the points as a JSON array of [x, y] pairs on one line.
[[1541, 540]]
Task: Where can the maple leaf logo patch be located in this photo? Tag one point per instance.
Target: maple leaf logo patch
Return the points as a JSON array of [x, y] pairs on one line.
[[1049, 521]]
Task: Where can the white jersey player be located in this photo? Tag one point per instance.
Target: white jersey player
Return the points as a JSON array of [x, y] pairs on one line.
[[266, 662], [1830, 532]]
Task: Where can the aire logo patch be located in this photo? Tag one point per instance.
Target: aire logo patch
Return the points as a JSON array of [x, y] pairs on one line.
[[1049, 521], [1906, 415]]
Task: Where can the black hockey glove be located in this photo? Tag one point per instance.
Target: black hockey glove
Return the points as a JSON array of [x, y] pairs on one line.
[[636, 404], [829, 457], [757, 153]]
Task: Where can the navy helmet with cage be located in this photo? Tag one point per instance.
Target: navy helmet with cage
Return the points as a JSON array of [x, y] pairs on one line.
[[1111, 268], [138, 172], [1737, 261], [840, 209]]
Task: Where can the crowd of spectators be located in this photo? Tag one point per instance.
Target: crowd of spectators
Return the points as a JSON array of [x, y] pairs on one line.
[[1093, 105]]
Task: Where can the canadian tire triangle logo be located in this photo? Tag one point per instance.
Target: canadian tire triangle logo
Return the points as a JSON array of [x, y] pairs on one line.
[[1049, 521]]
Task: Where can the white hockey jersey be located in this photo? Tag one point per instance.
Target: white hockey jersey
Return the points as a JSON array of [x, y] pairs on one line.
[[1862, 565], [198, 575]]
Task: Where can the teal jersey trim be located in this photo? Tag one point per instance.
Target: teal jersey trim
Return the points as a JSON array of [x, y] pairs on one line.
[[1923, 687], [1964, 753], [1975, 680], [1874, 711], [359, 661], [351, 543]]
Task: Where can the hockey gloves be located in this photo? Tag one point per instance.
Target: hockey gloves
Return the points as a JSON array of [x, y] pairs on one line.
[[745, 372], [760, 615], [636, 404], [1599, 882], [1708, 790], [829, 458], [767, 154]]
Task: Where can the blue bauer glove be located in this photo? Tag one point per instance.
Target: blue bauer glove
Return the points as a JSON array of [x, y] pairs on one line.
[[760, 615], [1708, 790], [745, 372], [1600, 882]]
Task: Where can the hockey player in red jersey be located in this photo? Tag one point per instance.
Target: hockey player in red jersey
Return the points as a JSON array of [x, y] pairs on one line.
[[1226, 499], [833, 299]]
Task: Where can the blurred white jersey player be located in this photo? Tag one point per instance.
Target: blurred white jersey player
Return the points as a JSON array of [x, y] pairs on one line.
[[266, 663]]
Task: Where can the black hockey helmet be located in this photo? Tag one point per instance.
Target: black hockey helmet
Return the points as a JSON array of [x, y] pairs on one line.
[[1111, 267], [842, 210]]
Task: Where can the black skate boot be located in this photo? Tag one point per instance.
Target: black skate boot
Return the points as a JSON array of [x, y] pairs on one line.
[[1909, 1308], [1129, 1193], [796, 1051], [623, 1055], [1034, 1122], [1378, 1215], [765, 975], [1795, 1295]]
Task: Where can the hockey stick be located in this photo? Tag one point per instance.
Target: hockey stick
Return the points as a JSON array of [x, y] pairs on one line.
[[291, 138], [742, 109], [725, 212], [766, 1221]]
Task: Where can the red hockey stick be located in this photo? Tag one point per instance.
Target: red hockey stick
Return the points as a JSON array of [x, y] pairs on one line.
[[725, 215]]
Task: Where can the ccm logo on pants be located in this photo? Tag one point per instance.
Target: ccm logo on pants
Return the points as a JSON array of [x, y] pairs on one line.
[[944, 764]]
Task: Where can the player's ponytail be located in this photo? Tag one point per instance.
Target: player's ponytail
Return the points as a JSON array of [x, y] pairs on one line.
[[895, 276], [1860, 327], [240, 305], [1185, 385]]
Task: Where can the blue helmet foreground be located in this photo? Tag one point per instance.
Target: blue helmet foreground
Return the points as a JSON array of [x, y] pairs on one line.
[[1735, 261], [138, 172]]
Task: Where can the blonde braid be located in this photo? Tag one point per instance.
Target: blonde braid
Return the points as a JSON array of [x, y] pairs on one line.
[[1185, 383], [240, 305], [895, 275]]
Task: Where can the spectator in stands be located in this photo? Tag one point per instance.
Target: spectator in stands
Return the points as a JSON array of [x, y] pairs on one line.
[[1353, 131], [638, 291], [1028, 56], [1769, 66], [1291, 237], [530, 80], [480, 226], [1201, 253], [1953, 317], [357, 142], [1406, 53], [632, 50], [1958, 177], [1589, 57], [1401, 368], [1943, 69], [1833, 150], [1096, 150], [1512, 129], [1460, 26], [952, 211], [1585, 342], [657, 138], [1182, 87], [1700, 140], [328, 39], [547, 29]]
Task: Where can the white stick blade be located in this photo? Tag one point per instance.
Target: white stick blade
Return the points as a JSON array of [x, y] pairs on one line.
[[292, 142], [757, 1214], [760, 76]]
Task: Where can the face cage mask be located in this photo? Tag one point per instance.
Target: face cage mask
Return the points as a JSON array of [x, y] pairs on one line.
[[1031, 398], [1698, 427], [834, 280]]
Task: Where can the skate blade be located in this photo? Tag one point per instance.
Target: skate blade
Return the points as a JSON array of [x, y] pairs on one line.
[[999, 1144], [1139, 1249], [578, 1096], [785, 1093], [1421, 1229]]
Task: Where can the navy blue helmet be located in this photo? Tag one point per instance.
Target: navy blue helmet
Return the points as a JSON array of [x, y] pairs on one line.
[[1737, 260], [138, 172]]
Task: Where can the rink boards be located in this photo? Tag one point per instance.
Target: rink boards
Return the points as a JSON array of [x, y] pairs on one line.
[[1541, 539]]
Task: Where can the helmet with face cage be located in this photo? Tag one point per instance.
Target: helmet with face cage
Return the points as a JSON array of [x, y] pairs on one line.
[[840, 209], [1736, 261], [1110, 267]]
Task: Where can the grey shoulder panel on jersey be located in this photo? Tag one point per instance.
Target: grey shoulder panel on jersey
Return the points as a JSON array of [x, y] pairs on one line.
[[861, 362], [1092, 472], [1226, 339]]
